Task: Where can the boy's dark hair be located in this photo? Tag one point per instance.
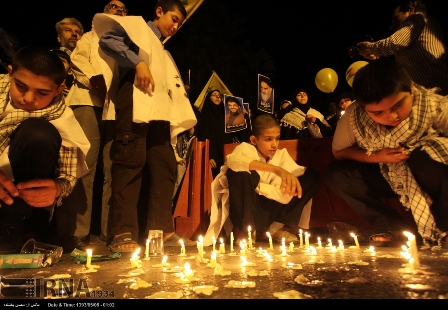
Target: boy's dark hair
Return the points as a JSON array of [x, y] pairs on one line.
[[417, 5], [380, 79], [40, 61], [345, 95], [262, 122], [62, 55], [169, 5]]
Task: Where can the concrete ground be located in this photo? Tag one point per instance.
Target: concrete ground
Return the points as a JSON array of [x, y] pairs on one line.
[[350, 273]]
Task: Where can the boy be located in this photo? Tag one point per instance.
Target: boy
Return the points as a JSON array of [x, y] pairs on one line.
[[266, 188], [393, 141], [42, 146], [149, 115]]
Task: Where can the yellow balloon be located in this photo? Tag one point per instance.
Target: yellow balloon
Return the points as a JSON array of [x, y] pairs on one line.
[[326, 80], [351, 71]]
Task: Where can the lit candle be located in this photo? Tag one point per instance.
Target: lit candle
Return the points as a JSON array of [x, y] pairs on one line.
[[200, 246], [188, 273], [413, 248], [271, 247], [307, 240], [89, 259], [243, 249], [231, 241], [249, 238], [222, 248], [283, 243], [214, 243], [213, 259], [330, 244], [182, 247], [147, 249], [301, 238], [319, 243], [291, 247], [356, 239], [135, 261], [341, 245]]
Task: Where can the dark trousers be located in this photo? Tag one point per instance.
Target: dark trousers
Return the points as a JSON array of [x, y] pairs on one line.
[[362, 185], [136, 145], [249, 208], [33, 154]]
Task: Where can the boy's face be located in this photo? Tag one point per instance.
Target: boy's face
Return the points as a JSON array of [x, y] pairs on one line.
[[302, 97], [267, 142], [390, 111], [169, 22], [31, 92]]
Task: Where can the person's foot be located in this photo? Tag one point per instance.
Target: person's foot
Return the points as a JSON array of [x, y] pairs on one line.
[[123, 243]]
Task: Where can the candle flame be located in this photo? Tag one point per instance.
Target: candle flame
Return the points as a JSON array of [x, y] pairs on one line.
[[407, 234], [147, 241], [164, 259], [89, 252], [353, 235], [221, 240], [181, 242], [200, 239], [268, 234], [248, 228]]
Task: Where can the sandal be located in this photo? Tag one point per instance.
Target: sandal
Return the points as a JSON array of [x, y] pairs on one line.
[[121, 240], [280, 234]]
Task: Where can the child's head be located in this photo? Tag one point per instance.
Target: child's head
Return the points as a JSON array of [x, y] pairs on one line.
[[384, 89], [36, 77], [65, 59], [169, 16], [265, 135]]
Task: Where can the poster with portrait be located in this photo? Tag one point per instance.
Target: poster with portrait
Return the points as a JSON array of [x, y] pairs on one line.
[[265, 101], [235, 112]]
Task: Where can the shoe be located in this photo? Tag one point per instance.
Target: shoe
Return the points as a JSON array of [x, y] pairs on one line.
[[68, 245], [392, 240], [122, 240], [174, 239], [281, 234], [11, 239]]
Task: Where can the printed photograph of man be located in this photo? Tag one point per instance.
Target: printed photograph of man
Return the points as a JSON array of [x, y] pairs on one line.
[[265, 94], [234, 110]]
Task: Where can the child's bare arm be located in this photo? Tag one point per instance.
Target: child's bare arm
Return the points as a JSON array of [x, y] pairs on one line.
[[290, 184], [144, 76]]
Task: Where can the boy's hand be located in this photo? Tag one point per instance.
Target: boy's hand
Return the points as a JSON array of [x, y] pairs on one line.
[[290, 184], [212, 163], [144, 77], [7, 189], [392, 155], [39, 192]]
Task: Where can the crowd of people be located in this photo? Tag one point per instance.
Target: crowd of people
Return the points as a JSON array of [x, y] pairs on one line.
[[100, 101]]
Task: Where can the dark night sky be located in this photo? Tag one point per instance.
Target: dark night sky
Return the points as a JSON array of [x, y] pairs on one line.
[[302, 37]]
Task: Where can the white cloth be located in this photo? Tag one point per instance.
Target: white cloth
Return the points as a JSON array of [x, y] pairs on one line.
[[168, 101], [296, 118], [239, 160], [85, 64]]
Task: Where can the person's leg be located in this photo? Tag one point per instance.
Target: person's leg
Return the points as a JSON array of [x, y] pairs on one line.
[[75, 213], [33, 154], [432, 176], [244, 209], [109, 136], [361, 185], [129, 156], [292, 212], [162, 176]]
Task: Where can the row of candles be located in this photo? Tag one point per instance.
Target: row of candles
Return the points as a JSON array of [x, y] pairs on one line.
[[410, 251]]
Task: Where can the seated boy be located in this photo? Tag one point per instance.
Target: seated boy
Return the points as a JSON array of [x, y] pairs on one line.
[[393, 141], [267, 189], [42, 146]]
